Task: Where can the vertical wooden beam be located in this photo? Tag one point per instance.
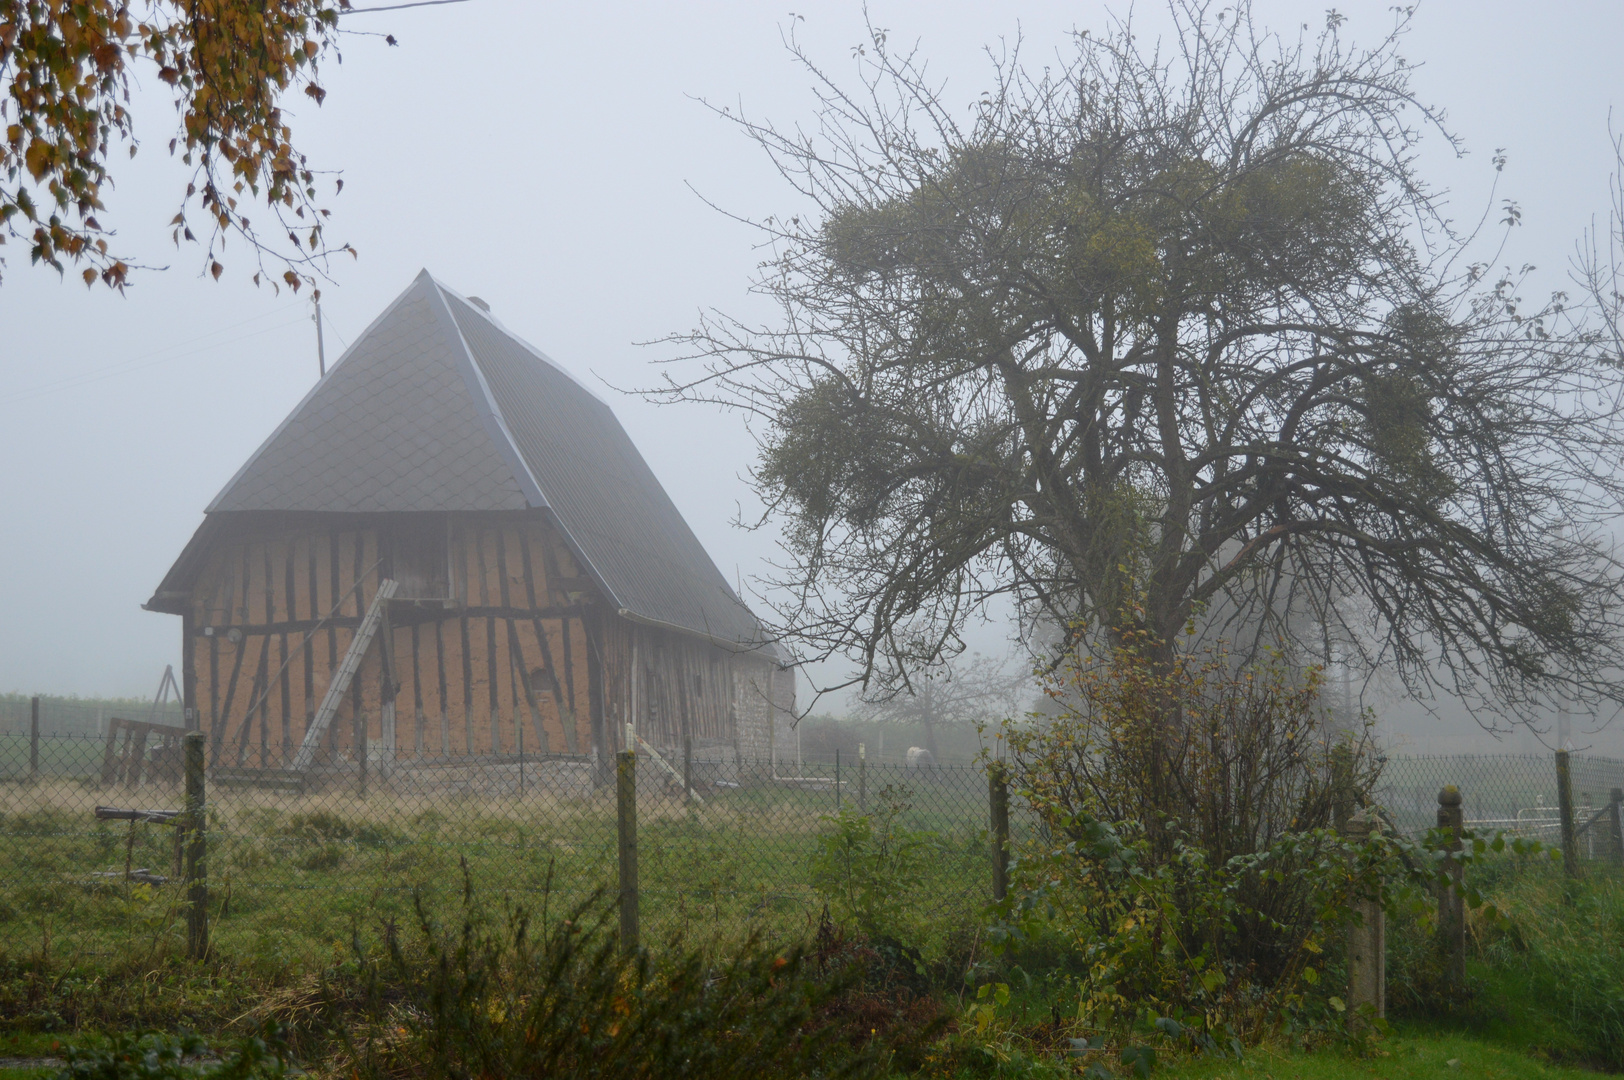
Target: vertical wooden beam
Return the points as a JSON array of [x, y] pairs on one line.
[[596, 706], [439, 671], [417, 691], [467, 689], [188, 670], [285, 692]]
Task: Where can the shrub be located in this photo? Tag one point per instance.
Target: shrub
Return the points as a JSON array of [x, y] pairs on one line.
[[868, 865], [1187, 850], [516, 996]]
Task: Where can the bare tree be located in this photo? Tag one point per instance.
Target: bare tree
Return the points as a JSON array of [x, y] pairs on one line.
[[973, 689], [1154, 338]]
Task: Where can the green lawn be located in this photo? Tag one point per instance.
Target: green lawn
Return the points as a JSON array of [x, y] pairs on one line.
[[1404, 1055]]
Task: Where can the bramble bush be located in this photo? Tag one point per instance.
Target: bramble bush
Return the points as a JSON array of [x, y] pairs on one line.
[[1188, 856]]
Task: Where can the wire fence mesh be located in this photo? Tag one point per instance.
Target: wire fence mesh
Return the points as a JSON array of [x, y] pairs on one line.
[[299, 862], [306, 858], [1512, 793]]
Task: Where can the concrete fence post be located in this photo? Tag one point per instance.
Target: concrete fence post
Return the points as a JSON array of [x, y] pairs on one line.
[[1451, 895], [1342, 793], [1367, 936], [1564, 807], [196, 873], [626, 803], [998, 800]]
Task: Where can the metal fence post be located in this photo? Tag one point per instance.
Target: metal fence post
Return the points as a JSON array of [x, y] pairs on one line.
[[1451, 897], [33, 738], [998, 798], [837, 779], [1564, 805], [626, 802], [1367, 937], [196, 866]]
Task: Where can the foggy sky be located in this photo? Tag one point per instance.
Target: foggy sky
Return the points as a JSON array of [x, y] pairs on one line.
[[551, 159]]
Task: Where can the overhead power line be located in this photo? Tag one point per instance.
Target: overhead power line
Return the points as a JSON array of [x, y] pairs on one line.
[[397, 7]]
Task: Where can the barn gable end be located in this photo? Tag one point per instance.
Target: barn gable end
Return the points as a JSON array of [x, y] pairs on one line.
[[549, 591]]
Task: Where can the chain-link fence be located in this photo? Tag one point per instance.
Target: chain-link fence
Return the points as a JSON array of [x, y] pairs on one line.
[[299, 862], [1519, 794], [296, 862], [65, 716]]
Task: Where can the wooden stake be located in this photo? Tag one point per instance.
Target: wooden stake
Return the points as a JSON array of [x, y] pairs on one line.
[[196, 862], [998, 798], [1451, 899], [1564, 806], [626, 803]]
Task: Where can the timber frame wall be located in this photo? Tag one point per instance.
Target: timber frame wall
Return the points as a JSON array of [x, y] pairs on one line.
[[515, 652]]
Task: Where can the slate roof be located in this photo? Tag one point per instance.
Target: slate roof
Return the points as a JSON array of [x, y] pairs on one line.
[[438, 407]]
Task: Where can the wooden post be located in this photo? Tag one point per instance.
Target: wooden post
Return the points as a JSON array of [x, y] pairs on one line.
[[1615, 830], [998, 798], [1367, 938], [626, 802], [196, 867], [1564, 806], [33, 738], [687, 768], [1451, 898], [862, 778]]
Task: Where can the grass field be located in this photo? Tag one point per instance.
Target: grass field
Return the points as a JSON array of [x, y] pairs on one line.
[[295, 877]]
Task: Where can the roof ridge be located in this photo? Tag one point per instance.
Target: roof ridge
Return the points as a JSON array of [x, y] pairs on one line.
[[479, 392], [315, 389], [490, 317], [509, 443]]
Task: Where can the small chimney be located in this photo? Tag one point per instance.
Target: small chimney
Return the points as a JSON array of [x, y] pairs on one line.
[[478, 303]]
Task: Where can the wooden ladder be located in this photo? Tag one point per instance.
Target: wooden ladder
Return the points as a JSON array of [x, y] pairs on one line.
[[341, 678]]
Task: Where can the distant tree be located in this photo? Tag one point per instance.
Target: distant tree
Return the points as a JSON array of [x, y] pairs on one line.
[[1167, 333], [65, 73], [971, 689]]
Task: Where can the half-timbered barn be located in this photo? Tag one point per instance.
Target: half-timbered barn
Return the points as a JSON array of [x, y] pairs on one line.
[[452, 551]]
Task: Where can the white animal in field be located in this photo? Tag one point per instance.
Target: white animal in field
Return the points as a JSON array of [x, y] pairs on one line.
[[920, 758]]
